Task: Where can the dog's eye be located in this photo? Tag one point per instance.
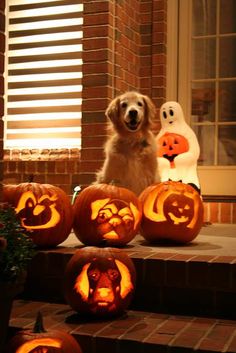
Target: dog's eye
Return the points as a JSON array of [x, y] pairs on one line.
[[123, 105], [171, 112], [113, 274], [103, 216], [94, 274], [164, 115], [140, 104]]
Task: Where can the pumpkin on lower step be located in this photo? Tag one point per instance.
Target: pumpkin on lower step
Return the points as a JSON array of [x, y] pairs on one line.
[[106, 214], [99, 281], [171, 211], [45, 211], [39, 340]]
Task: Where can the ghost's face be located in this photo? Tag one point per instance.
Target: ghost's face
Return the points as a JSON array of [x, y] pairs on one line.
[[170, 114]]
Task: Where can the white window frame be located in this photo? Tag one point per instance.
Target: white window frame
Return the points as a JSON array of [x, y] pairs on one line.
[[214, 180]]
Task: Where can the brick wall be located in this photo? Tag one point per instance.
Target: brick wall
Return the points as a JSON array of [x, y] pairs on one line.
[[2, 51], [124, 47], [57, 167]]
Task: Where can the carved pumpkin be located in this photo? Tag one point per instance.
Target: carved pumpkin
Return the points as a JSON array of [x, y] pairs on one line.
[[170, 145], [44, 209], [171, 211], [39, 340], [106, 214], [99, 281]]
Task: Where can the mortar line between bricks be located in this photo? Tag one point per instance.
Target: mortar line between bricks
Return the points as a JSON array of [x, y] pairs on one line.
[[227, 344], [205, 335], [130, 328], [157, 327], [179, 332]]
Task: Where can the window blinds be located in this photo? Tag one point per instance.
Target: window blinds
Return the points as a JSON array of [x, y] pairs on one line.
[[43, 74]]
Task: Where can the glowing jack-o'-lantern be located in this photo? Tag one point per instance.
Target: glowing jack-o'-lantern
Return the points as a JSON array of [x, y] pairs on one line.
[[170, 145], [44, 209], [171, 211], [99, 281], [106, 213], [39, 340]]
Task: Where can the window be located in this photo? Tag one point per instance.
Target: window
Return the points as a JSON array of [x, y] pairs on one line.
[[43, 74], [206, 82]]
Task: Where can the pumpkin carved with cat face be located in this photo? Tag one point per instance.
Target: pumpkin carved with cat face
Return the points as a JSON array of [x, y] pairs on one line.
[[171, 211], [44, 210]]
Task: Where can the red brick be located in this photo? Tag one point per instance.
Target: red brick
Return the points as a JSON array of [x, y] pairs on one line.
[[225, 212], [217, 338], [214, 212], [96, 19]]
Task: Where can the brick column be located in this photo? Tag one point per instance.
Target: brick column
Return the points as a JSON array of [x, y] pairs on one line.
[[2, 51], [153, 29], [124, 48], [98, 36]]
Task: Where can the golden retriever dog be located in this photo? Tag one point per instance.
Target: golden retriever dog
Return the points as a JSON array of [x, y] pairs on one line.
[[130, 151]]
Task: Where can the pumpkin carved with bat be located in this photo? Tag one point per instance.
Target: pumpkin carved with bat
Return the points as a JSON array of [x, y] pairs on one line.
[[99, 281], [106, 214], [171, 211], [44, 210]]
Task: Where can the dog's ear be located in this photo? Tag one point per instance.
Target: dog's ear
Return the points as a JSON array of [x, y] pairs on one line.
[[82, 283], [150, 109], [96, 206], [113, 109]]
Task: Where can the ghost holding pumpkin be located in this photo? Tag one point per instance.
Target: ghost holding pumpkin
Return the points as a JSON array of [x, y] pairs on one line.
[[177, 147]]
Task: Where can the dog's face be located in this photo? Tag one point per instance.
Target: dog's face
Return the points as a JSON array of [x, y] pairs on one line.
[[103, 284], [131, 111]]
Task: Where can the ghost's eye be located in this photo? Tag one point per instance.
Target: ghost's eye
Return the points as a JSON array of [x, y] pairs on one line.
[[186, 207], [164, 115], [171, 112]]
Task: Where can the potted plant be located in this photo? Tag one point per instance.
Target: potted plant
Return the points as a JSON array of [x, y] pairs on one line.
[[16, 251]]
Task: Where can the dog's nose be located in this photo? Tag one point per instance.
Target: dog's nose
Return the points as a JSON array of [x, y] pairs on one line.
[[133, 113]]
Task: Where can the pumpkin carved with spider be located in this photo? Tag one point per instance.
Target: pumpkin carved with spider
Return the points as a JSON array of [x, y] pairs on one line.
[[44, 210], [171, 211], [106, 214], [99, 281]]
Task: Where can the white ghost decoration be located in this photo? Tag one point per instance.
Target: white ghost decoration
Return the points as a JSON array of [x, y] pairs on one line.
[[177, 146]]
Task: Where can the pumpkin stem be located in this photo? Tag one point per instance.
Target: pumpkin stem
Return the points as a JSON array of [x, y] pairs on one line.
[[38, 326], [31, 178]]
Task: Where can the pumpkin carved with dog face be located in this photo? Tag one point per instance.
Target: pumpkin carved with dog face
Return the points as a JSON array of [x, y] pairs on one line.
[[39, 340], [44, 209], [171, 211], [106, 214], [99, 281]]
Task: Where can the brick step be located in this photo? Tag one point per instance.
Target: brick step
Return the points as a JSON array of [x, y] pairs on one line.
[[193, 279], [134, 331]]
